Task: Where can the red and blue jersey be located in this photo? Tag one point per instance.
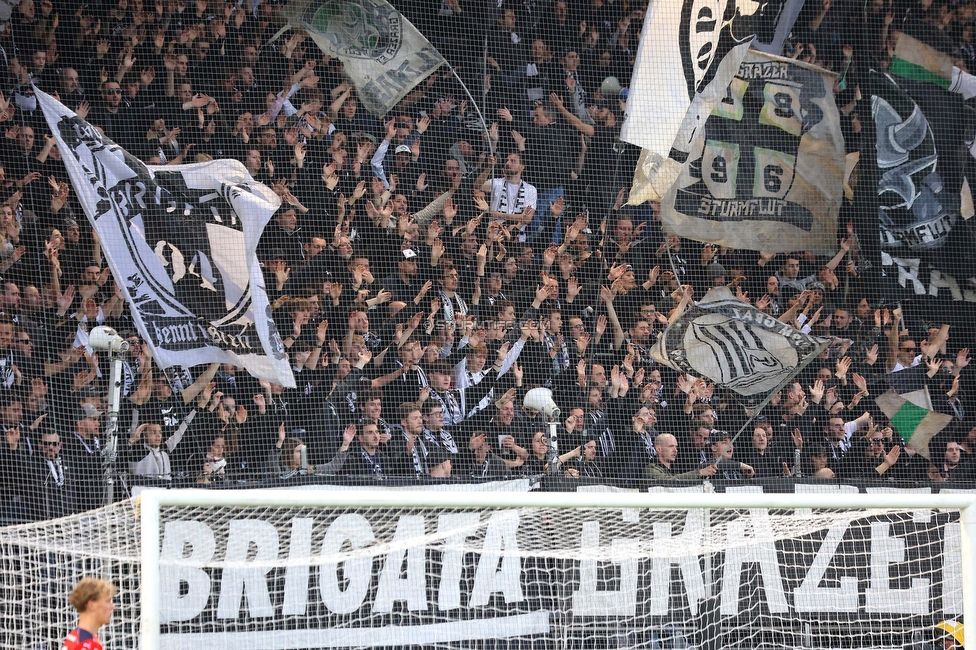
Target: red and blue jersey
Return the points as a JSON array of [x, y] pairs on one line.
[[79, 639]]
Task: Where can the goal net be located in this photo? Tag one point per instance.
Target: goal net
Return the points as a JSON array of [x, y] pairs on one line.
[[276, 570]]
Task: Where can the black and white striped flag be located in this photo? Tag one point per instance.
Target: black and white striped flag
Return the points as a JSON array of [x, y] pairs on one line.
[[735, 345], [181, 243]]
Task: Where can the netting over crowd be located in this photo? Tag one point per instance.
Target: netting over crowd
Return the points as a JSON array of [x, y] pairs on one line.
[[426, 268]]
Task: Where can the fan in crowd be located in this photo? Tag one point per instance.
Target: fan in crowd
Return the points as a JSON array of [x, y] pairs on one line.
[[427, 270]]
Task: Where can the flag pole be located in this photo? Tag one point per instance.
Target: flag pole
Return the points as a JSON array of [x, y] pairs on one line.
[[799, 368], [484, 125]]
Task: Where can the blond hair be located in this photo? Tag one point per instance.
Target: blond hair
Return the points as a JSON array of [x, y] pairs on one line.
[[89, 589]]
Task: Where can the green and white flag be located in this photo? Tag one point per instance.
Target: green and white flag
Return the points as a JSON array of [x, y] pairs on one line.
[[384, 55], [912, 418]]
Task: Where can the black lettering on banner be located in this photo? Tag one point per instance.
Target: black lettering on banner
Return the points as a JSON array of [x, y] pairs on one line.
[[720, 172], [430, 57], [783, 105], [717, 191], [772, 178]]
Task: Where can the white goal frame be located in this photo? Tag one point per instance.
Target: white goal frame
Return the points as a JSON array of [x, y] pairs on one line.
[[150, 502]]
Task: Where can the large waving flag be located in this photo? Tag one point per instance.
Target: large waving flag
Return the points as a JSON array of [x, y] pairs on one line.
[[181, 243], [384, 55], [736, 346], [915, 145], [766, 169], [688, 53]]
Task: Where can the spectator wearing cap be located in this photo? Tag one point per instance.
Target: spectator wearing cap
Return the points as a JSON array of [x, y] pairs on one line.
[[716, 275], [83, 450], [950, 635], [399, 136], [458, 404], [404, 285]]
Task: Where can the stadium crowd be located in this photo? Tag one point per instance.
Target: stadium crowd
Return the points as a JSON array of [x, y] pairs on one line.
[[423, 283]]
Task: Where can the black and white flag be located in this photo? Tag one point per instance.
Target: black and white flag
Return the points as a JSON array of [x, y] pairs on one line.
[[384, 55], [181, 242], [736, 346]]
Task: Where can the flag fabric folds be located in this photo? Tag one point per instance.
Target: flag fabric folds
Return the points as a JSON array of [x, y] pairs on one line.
[[766, 171], [912, 169], [677, 79], [181, 243], [735, 345], [916, 423], [697, 61], [383, 54]]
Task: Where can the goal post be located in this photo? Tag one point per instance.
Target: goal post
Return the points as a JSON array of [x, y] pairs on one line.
[[287, 569]]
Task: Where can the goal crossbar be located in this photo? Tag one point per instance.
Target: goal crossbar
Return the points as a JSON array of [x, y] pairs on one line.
[[151, 501]]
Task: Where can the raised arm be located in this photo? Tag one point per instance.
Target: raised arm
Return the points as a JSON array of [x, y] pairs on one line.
[[606, 295], [893, 340], [578, 124], [191, 391]]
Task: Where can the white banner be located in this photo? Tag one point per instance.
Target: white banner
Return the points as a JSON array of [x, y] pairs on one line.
[[181, 243], [330, 578]]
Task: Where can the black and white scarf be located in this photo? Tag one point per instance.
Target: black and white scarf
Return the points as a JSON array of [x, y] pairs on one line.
[[57, 471], [452, 305], [452, 402], [504, 199], [442, 438]]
